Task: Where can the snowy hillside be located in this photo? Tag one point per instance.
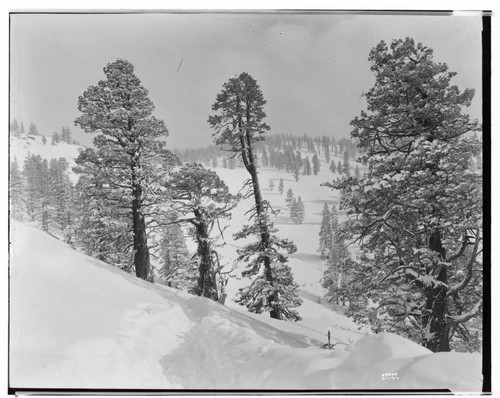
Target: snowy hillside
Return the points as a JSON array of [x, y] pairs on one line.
[[21, 147], [77, 322]]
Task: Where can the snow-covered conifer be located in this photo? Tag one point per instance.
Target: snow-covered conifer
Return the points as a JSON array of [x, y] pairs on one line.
[[315, 164], [333, 168], [201, 199], [238, 122], [289, 197], [325, 232], [281, 187], [418, 212], [119, 111], [271, 185]]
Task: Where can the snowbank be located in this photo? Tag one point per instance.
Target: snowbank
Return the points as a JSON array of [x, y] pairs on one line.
[[79, 323]]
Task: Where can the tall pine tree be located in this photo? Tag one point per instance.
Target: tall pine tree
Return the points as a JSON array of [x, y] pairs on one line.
[[119, 111], [238, 122], [418, 212]]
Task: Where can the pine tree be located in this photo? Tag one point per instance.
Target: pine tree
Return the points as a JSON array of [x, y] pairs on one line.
[[239, 123], [271, 185], [289, 198], [14, 129], [176, 267], [33, 130], [334, 276], [418, 212], [300, 211], [294, 210], [333, 169], [334, 219], [56, 138], [16, 190], [356, 172], [36, 174], [100, 228], [325, 233], [315, 164], [346, 167], [340, 168], [307, 167], [281, 187], [201, 199], [61, 191], [44, 140], [119, 111]]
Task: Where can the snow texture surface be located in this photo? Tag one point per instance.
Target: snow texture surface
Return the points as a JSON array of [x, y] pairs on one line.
[[79, 323]]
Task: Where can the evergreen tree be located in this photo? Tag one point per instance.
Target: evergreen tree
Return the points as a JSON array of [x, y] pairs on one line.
[[346, 167], [300, 211], [201, 199], [327, 153], [340, 168], [44, 140], [119, 111], [271, 185], [176, 267], [100, 228], [356, 172], [418, 213], [289, 198], [16, 190], [22, 129], [334, 219], [325, 233], [56, 138], [315, 164], [33, 130], [293, 210], [333, 169], [334, 276], [238, 124], [36, 174], [307, 167], [281, 187], [61, 191], [14, 129]]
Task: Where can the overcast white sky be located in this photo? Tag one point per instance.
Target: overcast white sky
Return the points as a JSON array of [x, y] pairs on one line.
[[312, 69]]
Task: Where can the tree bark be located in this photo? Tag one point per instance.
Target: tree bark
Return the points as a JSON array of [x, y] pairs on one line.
[[206, 279], [249, 161], [436, 302], [141, 257]]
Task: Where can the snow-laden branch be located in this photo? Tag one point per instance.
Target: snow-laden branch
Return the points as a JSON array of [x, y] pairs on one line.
[[461, 285], [466, 316]]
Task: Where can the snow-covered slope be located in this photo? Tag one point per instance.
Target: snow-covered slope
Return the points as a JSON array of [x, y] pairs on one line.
[[21, 147], [76, 322]]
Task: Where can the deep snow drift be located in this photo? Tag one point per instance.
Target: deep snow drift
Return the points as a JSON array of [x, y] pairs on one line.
[[76, 322]]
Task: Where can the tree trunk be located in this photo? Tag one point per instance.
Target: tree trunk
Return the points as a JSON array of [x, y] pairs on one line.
[[206, 281], [436, 302], [264, 233], [141, 257]]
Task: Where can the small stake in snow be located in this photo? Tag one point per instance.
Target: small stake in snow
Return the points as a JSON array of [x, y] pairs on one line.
[[329, 346]]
